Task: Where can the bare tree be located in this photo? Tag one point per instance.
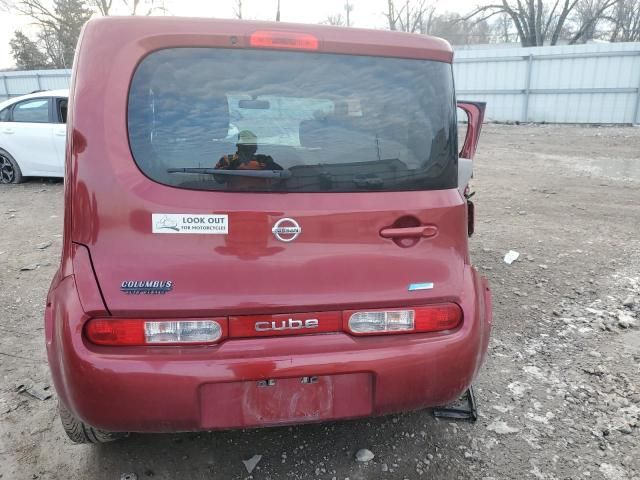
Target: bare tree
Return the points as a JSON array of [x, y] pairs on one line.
[[539, 21], [626, 21], [103, 6], [589, 15], [340, 20], [58, 24], [348, 8], [237, 10], [459, 31], [144, 7], [335, 20], [134, 7], [278, 12], [502, 28], [391, 15], [414, 16]]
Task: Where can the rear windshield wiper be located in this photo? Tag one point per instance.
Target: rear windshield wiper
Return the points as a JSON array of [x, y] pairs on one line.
[[238, 173]]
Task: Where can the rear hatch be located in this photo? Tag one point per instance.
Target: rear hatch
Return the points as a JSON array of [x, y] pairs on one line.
[[277, 181]]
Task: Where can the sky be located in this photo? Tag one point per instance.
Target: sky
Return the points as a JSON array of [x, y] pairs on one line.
[[365, 13]]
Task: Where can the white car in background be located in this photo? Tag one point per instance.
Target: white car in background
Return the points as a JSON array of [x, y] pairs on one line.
[[33, 135]]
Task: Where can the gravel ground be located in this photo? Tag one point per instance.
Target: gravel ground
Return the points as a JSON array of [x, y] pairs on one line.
[[559, 395]]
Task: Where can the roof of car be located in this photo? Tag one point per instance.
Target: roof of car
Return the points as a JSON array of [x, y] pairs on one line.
[[38, 94], [164, 30]]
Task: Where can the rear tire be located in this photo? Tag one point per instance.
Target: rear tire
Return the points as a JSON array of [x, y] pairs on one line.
[[80, 432], [9, 170]]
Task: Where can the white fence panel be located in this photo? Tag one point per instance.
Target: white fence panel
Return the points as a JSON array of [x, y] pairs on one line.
[[595, 83], [13, 84]]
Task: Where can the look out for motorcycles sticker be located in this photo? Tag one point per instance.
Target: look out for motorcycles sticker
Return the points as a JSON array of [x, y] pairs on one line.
[[189, 223]]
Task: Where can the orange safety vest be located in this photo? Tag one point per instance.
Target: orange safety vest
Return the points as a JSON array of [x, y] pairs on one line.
[[232, 162]]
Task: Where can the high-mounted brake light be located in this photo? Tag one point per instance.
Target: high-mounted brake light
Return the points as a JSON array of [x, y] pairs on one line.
[[433, 318], [102, 331], [286, 40]]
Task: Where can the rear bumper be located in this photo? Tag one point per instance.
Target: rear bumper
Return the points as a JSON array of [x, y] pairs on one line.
[[184, 389]]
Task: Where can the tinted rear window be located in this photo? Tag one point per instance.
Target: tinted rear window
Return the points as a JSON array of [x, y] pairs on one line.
[[257, 120]]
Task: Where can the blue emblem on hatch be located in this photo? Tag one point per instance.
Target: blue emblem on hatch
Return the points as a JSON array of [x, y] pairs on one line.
[[420, 286]]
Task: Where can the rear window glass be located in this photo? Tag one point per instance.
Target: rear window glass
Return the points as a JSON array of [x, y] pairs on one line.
[[257, 120]]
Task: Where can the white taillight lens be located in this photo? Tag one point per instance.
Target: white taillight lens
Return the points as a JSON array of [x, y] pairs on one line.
[[195, 331], [120, 331], [429, 318], [381, 321]]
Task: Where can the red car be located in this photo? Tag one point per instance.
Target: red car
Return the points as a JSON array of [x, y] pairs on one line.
[[265, 224]]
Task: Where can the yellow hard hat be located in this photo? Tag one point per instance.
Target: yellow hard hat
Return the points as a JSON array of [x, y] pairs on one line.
[[247, 137]]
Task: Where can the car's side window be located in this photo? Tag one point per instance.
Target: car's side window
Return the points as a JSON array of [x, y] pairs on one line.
[[61, 110], [4, 115], [35, 110]]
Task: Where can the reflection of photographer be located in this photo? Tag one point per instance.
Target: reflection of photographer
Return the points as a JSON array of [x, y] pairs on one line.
[[245, 158]]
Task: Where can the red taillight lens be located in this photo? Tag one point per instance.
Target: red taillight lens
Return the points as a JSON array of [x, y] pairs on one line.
[[118, 331], [433, 318], [437, 318], [286, 40]]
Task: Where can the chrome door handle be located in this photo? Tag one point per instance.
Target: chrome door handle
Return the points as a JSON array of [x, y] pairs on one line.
[[409, 232]]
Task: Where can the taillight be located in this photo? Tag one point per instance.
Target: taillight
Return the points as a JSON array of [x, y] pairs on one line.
[[140, 332], [118, 331], [285, 40], [433, 318]]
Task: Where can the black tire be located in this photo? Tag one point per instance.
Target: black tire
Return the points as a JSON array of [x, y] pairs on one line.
[[80, 432], [9, 170]]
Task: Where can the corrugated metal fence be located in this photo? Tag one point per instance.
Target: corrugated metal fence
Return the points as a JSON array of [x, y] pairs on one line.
[[596, 83], [13, 84]]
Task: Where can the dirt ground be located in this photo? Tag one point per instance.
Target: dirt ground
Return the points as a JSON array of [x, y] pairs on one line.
[[559, 395]]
